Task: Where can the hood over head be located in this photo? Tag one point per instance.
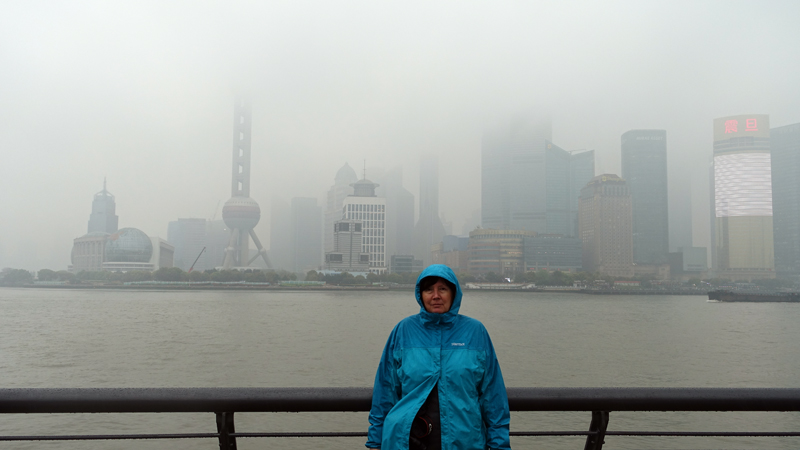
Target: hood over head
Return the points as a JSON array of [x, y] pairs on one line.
[[441, 271]]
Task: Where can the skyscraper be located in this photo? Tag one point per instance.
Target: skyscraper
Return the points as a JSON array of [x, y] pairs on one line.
[[529, 183], [566, 174], [188, 236], [742, 185], [280, 232], [306, 234], [370, 209], [103, 217], [347, 243], [399, 213], [429, 229], [644, 168], [513, 177], [785, 150], [581, 172], [341, 188], [606, 227]]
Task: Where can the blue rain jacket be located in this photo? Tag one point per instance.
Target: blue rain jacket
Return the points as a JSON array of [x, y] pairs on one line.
[[456, 352]]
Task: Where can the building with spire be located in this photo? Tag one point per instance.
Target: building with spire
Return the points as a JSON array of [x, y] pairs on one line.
[[107, 248], [103, 218]]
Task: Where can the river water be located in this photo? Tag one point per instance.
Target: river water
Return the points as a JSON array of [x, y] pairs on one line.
[[112, 338]]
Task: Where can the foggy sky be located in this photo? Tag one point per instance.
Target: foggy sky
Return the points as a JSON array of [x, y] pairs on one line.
[[142, 93]]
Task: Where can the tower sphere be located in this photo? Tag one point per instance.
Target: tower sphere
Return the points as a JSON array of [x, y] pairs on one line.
[[241, 213]]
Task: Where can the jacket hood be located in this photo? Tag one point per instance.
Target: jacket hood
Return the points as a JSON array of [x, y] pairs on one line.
[[441, 271]]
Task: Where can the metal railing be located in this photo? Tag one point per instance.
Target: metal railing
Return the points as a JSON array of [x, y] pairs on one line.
[[224, 402]]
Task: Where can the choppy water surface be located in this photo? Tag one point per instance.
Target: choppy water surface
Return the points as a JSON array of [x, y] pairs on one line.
[[69, 338]]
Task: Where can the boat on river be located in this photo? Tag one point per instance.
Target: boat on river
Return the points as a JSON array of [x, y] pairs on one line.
[[732, 296]]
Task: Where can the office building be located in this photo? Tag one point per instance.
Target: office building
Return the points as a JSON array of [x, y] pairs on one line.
[[346, 255], [88, 252], [785, 160], [644, 168], [742, 189], [566, 174], [552, 252], [280, 235], [405, 264], [581, 166], [429, 229], [528, 183], [217, 237], [306, 235], [513, 176], [399, 212], [498, 251], [453, 252], [188, 236], [689, 262], [363, 205], [341, 188], [605, 226]]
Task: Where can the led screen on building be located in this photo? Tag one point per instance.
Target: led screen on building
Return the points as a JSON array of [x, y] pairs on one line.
[[742, 166], [742, 185]]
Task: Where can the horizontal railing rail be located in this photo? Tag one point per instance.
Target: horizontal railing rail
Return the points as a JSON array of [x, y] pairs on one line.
[[224, 402]]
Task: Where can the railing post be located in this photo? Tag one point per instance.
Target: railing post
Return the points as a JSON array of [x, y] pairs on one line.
[[598, 427], [225, 428]]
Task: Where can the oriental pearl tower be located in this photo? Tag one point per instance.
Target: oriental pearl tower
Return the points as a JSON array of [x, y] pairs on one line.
[[241, 213]]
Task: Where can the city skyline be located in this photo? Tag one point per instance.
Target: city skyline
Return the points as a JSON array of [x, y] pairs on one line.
[[141, 95]]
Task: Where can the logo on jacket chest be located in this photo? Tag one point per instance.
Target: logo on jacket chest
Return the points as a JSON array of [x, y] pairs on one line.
[[457, 344]]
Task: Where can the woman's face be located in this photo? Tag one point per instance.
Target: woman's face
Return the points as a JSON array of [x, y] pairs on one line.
[[438, 298]]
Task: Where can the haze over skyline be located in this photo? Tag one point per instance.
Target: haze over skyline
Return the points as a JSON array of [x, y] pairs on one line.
[[142, 93]]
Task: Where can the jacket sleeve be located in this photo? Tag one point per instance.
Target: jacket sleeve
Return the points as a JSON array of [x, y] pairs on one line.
[[494, 402], [385, 392]]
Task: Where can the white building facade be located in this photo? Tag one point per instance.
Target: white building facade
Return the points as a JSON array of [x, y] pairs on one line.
[[364, 206]]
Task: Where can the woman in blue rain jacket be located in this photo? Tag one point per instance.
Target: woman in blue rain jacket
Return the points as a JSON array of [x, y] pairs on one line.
[[448, 352]]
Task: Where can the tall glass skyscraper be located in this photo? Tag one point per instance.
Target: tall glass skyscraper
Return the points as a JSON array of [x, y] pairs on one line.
[[513, 177], [566, 174], [742, 185], [785, 151], [644, 168], [530, 184], [429, 230]]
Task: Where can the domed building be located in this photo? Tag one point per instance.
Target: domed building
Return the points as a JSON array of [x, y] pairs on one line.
[[131, 249], [117, 250], [128, 249]]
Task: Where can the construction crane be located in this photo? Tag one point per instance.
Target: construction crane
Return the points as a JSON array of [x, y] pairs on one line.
[[195, 260]]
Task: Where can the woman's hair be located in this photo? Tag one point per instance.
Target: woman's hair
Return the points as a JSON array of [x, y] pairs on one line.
[[427, 282]]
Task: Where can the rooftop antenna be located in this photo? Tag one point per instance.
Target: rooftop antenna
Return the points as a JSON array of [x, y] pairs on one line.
[[365, 168]]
